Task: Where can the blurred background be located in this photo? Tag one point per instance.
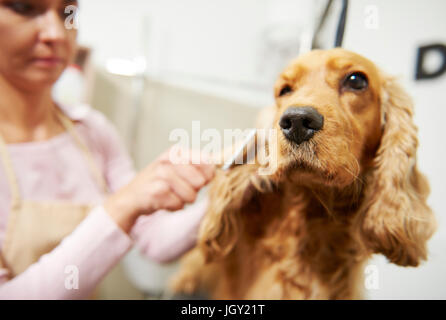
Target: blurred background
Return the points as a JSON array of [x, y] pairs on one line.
[[152, 66]]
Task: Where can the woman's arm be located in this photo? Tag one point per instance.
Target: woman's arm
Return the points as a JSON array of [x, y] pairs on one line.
[[162, 236], [75, 267]]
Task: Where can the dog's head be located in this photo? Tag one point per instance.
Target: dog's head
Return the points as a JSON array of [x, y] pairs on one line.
[[329, 117], [342, 122]]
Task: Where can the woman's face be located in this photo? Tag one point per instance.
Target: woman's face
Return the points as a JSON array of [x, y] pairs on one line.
[[37, 41]]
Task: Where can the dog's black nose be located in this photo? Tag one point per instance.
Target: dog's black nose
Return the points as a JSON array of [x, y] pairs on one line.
[[299, 124]]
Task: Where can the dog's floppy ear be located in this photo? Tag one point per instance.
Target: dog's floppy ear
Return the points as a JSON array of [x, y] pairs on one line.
[[229, 192], [395, 219], [219, 230]]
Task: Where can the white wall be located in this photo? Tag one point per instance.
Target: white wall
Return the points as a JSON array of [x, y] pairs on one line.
[[226, 47]]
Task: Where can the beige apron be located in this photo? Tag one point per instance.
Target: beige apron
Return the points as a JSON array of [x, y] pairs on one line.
[[36, 228]]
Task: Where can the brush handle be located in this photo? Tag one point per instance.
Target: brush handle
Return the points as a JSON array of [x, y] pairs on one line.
[[246, 143]]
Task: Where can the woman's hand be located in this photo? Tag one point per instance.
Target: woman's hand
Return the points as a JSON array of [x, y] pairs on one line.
[[166, 183]]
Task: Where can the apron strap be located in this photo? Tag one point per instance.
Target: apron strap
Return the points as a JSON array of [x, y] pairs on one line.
[[3, 264], [9, 171], [97, 175]]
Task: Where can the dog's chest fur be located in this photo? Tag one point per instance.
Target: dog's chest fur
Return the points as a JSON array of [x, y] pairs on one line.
[[311, 253]]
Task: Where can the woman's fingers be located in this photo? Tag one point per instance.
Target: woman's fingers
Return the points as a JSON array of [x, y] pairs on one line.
[[192, 175], [172, 202], [170, 182], [205, 165], [183, 157], [182, 187]]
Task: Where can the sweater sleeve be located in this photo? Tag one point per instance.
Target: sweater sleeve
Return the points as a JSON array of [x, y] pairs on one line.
[[164, 236], [74, 268]]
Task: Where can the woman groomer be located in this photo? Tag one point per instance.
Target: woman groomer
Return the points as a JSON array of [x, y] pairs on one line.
[[55, 165]]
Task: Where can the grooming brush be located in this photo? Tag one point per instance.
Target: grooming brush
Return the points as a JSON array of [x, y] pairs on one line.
[[249, 143]]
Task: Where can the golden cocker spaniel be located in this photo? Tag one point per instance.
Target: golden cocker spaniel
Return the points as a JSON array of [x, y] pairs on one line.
[[346, 186]]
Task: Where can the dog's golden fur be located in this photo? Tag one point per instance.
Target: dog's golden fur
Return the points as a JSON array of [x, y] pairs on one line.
[[307, 230]]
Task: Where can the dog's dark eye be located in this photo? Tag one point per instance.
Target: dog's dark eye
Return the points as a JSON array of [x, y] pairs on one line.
[[356, 81], [285, 90]]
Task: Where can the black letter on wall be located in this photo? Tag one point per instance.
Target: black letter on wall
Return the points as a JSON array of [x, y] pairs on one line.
[[423, 74]]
